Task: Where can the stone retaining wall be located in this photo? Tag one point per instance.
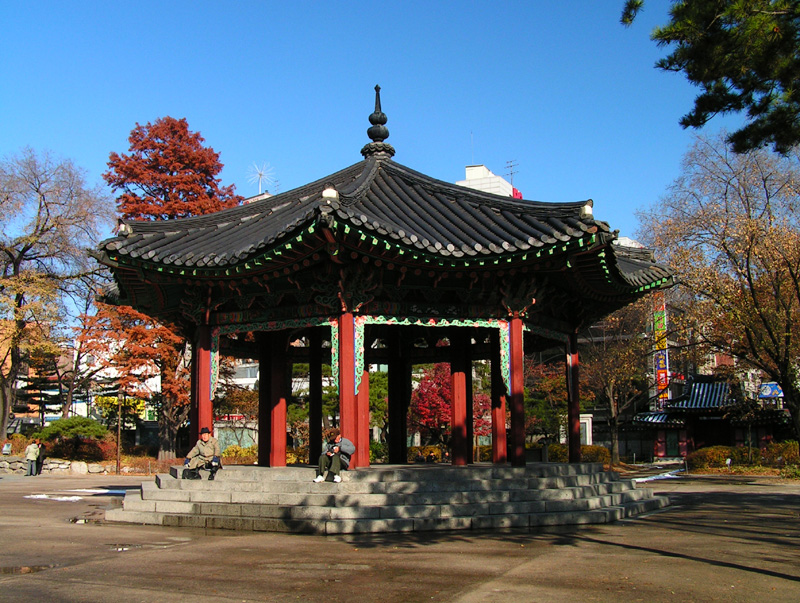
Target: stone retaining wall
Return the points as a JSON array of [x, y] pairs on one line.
[[18, 464]]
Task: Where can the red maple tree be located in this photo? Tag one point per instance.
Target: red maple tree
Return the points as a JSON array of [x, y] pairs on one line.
[[429, 411], [482, 414], [168, 174], [131, 349]]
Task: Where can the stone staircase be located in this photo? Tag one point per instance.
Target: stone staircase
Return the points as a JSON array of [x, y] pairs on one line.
[[388, 498]]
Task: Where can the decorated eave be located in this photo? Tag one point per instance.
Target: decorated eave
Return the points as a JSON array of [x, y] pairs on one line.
[[415, 231]]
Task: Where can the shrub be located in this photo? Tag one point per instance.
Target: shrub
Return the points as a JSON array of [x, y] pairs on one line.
[[73, 427], [557, 453], [785, 453], [713, 456], [296, 455], [419, 454], [378, 452], [83, 449], [233, 451], [484, 453], [241, 456], [791, 472], [595, 454], [18, 443], [140, 450], [742, 455]]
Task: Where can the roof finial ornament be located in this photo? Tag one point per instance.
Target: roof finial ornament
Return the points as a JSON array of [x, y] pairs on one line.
[[378, 132]]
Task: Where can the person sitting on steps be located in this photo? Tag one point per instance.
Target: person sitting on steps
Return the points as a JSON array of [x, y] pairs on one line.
[[204, 455], [335, 457]]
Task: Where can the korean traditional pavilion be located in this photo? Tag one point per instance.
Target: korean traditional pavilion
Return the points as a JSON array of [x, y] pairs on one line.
[[378, 263]]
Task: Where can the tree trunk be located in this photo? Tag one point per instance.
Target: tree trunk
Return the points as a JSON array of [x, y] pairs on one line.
[[791, 400], [8, 394], [67, 405], [615, 440], [166, 440], [170, 418], [6, 402], [613, 422]]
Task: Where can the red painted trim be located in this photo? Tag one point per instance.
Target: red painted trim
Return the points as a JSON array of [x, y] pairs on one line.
[[202, 409], [278, 396], [517, 394], [458, 411], [348, 415]]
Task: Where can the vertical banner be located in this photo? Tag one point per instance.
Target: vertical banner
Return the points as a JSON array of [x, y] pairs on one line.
[[661, 353]]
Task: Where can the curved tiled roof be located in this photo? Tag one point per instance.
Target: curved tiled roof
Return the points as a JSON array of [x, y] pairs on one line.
[[659, 419], [390, 238], [704, 395], [376, 195]]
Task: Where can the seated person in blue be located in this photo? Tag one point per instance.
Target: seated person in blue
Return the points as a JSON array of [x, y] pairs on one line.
[[335, 457], [204, 455]]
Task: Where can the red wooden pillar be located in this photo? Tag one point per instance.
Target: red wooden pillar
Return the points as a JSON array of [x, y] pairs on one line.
[[469, 402], [201, 414], [499, 444], [278, 398], [458, 408], [573, 400], [315, 396], [517, 393], [362, 437], [264, 397], [348, 415], [272, 396]]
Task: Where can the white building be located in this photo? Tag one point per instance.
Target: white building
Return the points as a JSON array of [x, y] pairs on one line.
[[480, 178]]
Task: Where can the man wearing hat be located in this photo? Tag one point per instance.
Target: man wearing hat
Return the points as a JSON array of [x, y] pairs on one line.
[[204, 455]]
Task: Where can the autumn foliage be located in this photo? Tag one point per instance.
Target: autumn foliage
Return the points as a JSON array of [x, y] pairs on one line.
[[168, 174], [430, 403], [137, 349], [730, 226], [430, 411]]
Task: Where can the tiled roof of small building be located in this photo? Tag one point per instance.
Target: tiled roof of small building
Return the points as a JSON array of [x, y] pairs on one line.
[[704, 395], [659, 419]]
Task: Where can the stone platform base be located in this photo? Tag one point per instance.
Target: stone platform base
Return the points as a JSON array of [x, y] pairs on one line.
[[388, 498]]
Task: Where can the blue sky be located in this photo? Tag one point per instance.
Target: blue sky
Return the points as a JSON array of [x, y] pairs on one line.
[[560, 88]]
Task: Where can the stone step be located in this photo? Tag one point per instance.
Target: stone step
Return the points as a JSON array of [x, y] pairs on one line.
[[135, 501], [439, 472], [398, 524], [381, 482], [305, 493], [387, 498]]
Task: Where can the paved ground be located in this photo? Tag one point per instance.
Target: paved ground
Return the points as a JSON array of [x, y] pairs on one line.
[[723, 539]]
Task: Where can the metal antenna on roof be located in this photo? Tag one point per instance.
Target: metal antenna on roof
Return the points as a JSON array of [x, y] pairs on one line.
[[511, 167], [260, 174]]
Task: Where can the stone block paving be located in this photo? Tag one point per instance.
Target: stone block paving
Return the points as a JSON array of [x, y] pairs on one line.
[[722, 539]]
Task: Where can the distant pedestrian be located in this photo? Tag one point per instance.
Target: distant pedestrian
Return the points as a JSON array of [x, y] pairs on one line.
[[32, 455], [40, 459]]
